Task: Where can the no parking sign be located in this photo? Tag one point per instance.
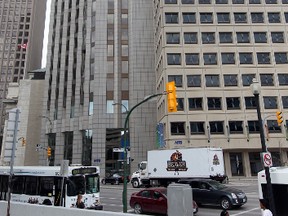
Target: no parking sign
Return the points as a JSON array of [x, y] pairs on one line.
[[267, 159]]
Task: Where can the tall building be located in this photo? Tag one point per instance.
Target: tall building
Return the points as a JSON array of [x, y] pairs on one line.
[[213, 49], [21, 35], [100, 63]]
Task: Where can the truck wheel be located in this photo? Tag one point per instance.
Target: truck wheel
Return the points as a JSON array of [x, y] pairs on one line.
[[103, 181], [135, 183], [225, 203], [137, 209], [117, 182]]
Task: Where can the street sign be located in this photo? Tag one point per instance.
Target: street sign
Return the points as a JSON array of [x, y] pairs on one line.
[[267, 159], [118, 149]]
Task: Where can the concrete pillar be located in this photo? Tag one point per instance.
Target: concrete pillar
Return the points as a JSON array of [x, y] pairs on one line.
[[227, 164], [180, 200], [246, 164]]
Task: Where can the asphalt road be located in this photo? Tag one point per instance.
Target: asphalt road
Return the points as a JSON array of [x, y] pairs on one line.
[[111, 199]]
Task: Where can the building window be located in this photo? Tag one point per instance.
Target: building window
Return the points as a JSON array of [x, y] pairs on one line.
[[233, 103], [254, 1], [257, 17], [281, 57], [228, 58], [68, 146], [274, 17], [180, 102], [230, 80], [174, 58], [195, 104], [225, 37], [240, 17], [206, 18], [221, 1], [247, 79], [212, 80], [271, 1], [192, 58], [190, 38], [197, 128], [263, 58], [204, 1], [243, 37], [266, 79], [238, 1], [245, 58], [270, 102], [216, 127], [250, 103], [173, 38], [208, 37], [283, 79], [177, 79], [277, 37], [210, 58], [236, 127], [223, 17], [86, 147], [91, 104], [187, 1], [284, 1], [253, 126], [189, 18], [177, 128], [193, 80], [286, 17], [260, 37], [170, 1], [285, 102], [214, 103], [273, 126], [171, 18]]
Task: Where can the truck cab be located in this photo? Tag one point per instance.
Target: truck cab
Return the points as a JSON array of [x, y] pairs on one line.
[[140, 175]]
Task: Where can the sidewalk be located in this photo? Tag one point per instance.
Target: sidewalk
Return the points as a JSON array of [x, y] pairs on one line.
[[242, 178]]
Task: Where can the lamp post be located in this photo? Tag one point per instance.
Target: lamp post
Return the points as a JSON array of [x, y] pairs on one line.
[[256, 89], [124, 193]]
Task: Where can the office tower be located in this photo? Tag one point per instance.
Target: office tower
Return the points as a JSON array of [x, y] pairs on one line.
[[21, 35], [213, 49], [100, 63]]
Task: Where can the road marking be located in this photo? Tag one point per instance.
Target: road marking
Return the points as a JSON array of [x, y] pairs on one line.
[[245, 211]]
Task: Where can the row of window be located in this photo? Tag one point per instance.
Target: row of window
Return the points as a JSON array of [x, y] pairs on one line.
[[227, 58], [232, 103], [229, 80], [224, 37], [226, 1], [224, 18], [217, 127]]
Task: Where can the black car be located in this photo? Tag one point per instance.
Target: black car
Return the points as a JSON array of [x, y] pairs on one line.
[[114, 178], [207, 191]]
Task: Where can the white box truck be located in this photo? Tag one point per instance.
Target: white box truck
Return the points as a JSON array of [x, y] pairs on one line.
[[165, 166]]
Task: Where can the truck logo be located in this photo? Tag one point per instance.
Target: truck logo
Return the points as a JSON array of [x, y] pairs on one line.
[[216, 160], [176, 163]]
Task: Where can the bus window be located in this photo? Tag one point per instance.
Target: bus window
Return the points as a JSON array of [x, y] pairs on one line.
[[3, 187], [17, 184], [46, 186], [92, 184], [75, 185], [31, 185]]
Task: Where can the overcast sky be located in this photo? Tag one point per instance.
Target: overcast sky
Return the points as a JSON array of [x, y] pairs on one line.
[[46, 32]]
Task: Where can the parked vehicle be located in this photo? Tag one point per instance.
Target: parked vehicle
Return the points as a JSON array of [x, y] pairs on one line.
[[166, 166], [208, 191], [152, 200], [113, 178]]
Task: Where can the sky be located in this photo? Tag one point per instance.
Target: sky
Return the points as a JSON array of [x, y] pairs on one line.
[[46, 32]]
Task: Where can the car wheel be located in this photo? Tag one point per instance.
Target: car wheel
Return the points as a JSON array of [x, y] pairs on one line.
[[103, 181], [117, 182], [225, 203], [135, 183], [138, 208]]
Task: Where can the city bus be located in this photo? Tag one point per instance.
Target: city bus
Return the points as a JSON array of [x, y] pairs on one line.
[[45, 185], [279, 182]]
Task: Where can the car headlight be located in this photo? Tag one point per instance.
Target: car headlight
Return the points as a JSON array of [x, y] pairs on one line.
[[233, 195]]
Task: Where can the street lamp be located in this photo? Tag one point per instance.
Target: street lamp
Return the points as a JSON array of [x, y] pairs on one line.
[[256, 89]]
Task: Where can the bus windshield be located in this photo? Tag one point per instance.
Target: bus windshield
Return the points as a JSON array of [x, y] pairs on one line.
[[92, 184], [75, 185]]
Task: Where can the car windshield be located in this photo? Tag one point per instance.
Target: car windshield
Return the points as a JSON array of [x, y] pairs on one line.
[[217, 185]]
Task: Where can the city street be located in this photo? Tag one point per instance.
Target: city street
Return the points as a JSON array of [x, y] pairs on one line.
[[111, 199]]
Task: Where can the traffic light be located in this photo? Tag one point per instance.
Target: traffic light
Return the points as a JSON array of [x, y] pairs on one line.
[[171, 97], [49, 152], [279, 118]]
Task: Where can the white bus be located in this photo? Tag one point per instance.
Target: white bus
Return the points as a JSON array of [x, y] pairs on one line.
[[34, 184], [279, 182]]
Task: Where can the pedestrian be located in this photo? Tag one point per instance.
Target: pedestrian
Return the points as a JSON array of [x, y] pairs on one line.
[[265, 208], [224, 213], [79, 202]]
